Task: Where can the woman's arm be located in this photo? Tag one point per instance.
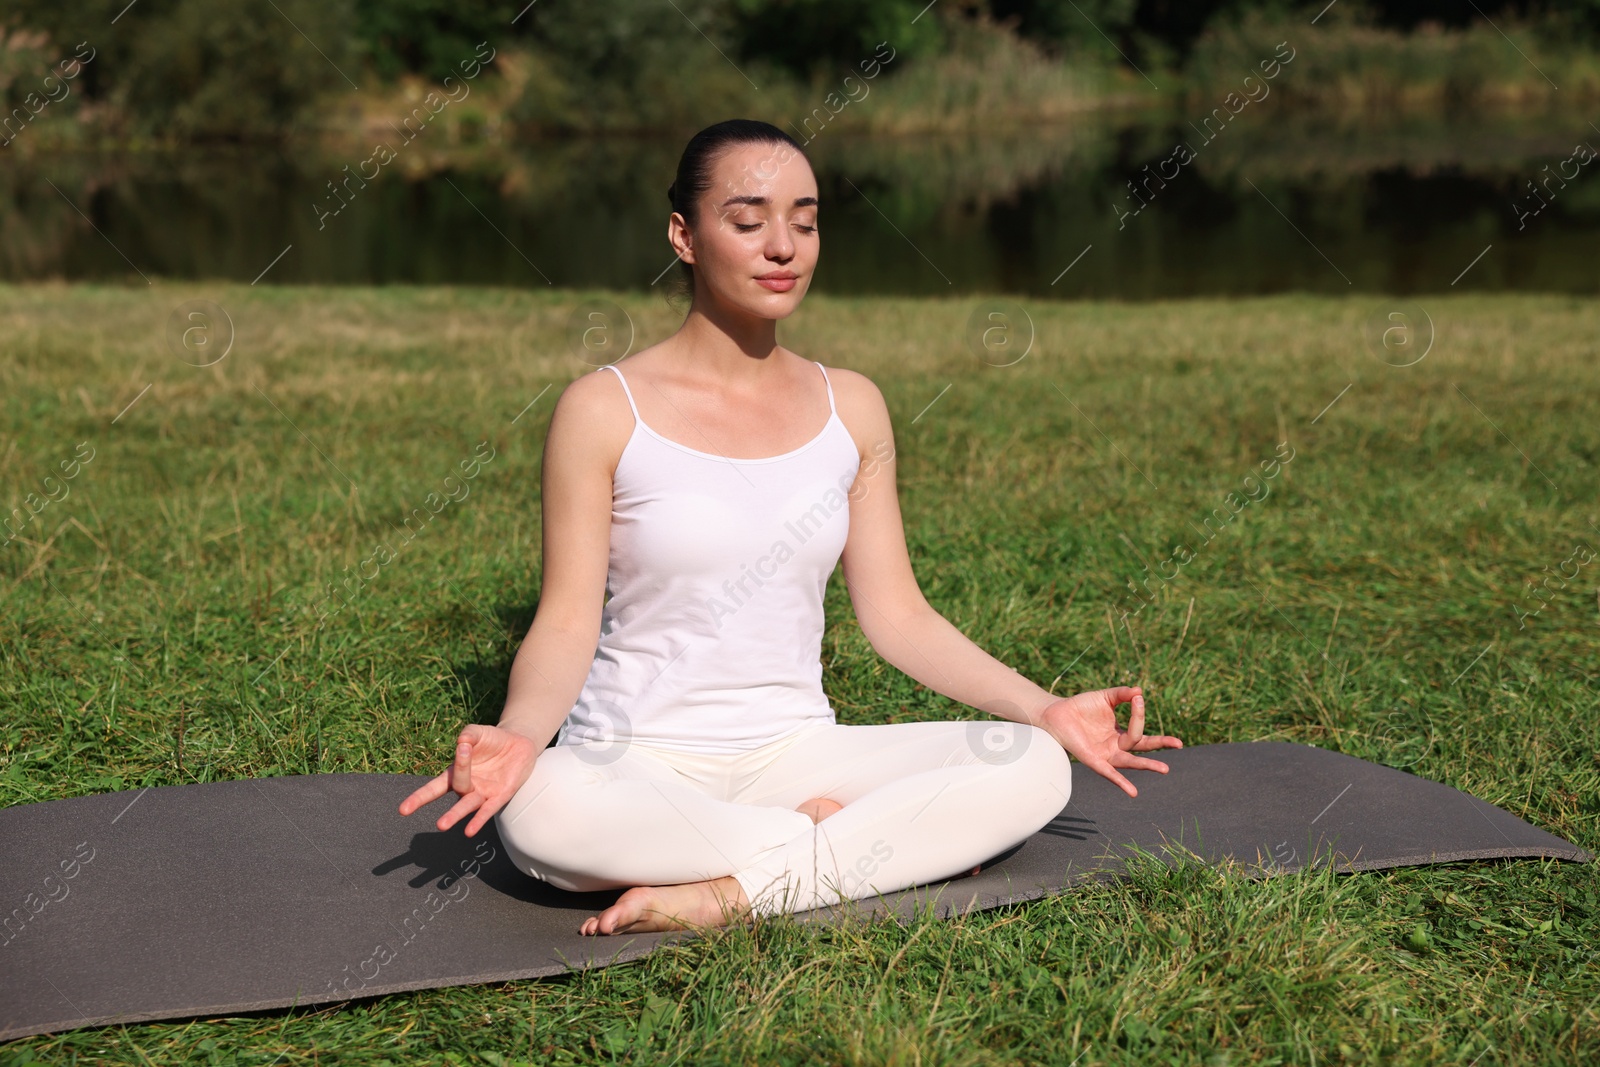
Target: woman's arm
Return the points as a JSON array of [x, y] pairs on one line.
[[492, 762], [897, 620], [575, 492], [905, 630]]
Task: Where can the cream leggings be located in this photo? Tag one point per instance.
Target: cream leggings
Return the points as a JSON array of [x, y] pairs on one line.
[[923, 801]]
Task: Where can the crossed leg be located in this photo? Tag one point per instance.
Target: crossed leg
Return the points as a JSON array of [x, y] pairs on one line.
[[708, 837], [922, 801]]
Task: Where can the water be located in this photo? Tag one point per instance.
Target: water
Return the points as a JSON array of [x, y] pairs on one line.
[[1274, 202]]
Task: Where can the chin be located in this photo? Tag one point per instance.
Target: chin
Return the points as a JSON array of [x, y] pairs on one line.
[[781, 309], [770, 305]]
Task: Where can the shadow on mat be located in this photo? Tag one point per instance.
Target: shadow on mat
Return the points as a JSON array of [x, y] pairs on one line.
[[1072, 827], [443, 855]]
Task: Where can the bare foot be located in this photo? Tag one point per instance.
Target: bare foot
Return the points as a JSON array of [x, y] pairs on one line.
[[645, 909], [819, 808]]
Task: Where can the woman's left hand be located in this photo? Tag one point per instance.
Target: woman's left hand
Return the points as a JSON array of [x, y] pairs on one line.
[[1086, 726]]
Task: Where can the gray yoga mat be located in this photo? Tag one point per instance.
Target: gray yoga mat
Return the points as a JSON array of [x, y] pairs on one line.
[[214, 899]]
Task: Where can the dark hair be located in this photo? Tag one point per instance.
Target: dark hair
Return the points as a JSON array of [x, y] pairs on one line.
[[695, 172]]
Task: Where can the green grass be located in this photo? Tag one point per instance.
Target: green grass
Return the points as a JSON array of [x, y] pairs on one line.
[[1365, 605]]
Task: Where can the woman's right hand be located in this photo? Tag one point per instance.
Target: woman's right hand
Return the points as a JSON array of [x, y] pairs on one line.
[[491, 764]]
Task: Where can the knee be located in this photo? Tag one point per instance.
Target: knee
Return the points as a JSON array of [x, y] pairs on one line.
[[1043, 773], [519, 831], [538, 830], [550, 849], [1035, 769], [1028, 749]]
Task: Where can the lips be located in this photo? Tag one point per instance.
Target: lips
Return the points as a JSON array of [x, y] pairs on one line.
[[778, 281]]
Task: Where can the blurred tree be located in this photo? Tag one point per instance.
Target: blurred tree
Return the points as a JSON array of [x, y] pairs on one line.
[[1094, 27], [1409, 14], [630, 64], [430, 37], [205, 68], [36, 81], [223, 68], [219, 68], [1177, 24], [807, 37]]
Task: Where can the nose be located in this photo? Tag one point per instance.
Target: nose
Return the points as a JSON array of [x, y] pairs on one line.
[[780, 245]]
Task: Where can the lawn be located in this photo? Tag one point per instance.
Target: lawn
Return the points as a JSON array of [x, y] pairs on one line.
[[1414, 585]]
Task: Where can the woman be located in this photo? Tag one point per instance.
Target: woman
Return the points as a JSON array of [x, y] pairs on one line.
[[697, 760]]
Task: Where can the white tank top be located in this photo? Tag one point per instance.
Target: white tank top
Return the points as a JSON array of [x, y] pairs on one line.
[[711, 639]]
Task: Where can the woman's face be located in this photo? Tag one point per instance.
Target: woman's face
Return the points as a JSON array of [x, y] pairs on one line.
[[758, 219]]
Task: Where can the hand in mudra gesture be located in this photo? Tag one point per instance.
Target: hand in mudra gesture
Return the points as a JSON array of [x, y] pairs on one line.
[[1086, 726], [490, 766]]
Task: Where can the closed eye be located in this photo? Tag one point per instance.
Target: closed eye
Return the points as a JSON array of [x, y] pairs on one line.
[[746, 227]]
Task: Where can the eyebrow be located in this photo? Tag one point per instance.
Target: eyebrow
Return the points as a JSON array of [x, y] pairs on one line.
[[762, 201]]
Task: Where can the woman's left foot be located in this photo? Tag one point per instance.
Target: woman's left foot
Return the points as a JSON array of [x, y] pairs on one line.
[[647, 909]]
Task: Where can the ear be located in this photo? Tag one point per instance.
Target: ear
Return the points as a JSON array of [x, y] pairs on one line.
[[679, 237]]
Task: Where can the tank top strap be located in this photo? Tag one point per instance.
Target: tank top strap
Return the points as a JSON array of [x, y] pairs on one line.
[[829, 383], [627, 391]]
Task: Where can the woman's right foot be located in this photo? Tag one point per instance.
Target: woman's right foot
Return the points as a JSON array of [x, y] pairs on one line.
[[646, 909]]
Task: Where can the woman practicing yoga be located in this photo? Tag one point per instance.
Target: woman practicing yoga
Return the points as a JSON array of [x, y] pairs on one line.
[[696, 758]]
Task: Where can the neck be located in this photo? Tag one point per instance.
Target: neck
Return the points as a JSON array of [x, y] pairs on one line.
[[727, 344]]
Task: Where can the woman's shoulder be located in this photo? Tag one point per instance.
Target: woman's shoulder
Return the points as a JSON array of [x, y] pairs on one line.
[[860, 405], [852, 381], [591, 393], [591, 418], [852, 388]]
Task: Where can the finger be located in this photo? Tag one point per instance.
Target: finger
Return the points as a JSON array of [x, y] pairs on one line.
[[1134, 733], [461, 778], [427, 794], [1105, 770], [1150, 741], [1140, 763], [459, 810], [488, 811], [1122, 694]]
